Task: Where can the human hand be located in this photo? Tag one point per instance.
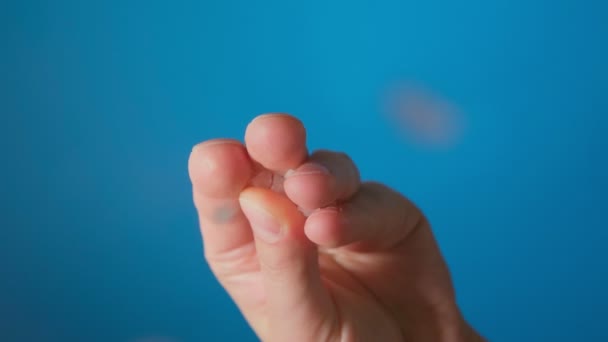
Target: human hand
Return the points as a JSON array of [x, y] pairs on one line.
[[362, 266]]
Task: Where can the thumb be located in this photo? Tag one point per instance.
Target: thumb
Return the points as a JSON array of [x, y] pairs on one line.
[[298, 305]]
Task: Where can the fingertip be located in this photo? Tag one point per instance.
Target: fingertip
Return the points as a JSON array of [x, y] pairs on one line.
[[325, 227], [310, 188], [277, 205], [275, 115], [219, 167], [211, 142], [277, 141], [326, 178]]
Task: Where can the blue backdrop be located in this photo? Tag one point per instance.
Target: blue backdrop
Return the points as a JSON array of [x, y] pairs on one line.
[[101, 102]]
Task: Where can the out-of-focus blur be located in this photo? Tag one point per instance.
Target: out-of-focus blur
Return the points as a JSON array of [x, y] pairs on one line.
[[155, 339], [490, 115], [424, 118]]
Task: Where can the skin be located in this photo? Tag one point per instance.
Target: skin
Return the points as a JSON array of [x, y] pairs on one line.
[[309, 252]]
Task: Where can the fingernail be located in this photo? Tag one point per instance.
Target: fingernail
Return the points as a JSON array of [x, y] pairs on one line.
[[263, 224], [307, 169]]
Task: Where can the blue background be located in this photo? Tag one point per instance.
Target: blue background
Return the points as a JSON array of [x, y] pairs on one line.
[[102, 101]]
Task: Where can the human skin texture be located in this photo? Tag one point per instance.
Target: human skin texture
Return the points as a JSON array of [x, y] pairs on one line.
[[309, 252]]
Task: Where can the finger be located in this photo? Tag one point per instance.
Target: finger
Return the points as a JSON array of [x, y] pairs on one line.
[[295, 295], [376, 218], [326, 177], [219, 169], [387, 232], [276, 141]]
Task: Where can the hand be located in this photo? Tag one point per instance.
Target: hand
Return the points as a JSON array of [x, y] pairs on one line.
[[362, 265]]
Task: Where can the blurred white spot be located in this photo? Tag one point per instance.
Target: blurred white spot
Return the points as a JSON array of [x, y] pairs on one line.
[[424, 117]]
